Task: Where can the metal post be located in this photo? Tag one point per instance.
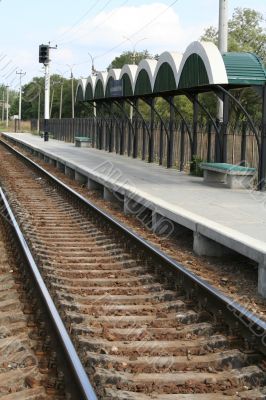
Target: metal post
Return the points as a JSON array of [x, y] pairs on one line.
[[3, 105], [61, 100], [122, 135], [7, 105], [209, 146], [182, 146], [73, 100], [21, 74], [195, 126], [46, 100], [243, 143], [262, 164], [224, 126], [136, 134], [171, 134], [161, 144], [51, 104], [39, 113], [222, 41], [143, 141], [151, 138]]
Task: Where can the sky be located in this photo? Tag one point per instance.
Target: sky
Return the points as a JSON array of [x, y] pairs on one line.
[[101, 29]]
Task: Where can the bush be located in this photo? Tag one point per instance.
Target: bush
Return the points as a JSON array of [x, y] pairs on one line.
[[195, 169]]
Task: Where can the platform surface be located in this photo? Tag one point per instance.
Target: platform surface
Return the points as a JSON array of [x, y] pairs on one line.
[[234, 218]]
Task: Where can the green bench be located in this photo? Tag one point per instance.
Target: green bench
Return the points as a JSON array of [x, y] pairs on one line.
[[82, 141], [233, 176]]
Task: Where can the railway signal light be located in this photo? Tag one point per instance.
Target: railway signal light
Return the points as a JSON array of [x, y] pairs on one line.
[[44, 53]]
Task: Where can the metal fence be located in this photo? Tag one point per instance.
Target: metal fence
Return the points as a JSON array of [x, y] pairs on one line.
[[139, 139]]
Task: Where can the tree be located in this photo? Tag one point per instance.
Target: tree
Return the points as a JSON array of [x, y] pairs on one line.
[[130, 57], [30, 99], [245, 32]]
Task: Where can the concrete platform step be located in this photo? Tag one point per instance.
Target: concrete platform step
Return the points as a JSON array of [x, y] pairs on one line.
[[243, 395]]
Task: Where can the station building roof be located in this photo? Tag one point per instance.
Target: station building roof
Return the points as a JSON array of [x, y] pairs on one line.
[[200, 67]]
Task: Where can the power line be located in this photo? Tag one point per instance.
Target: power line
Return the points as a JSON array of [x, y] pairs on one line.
[[69, 29], [97, 26], [138, 31], [77, 30]]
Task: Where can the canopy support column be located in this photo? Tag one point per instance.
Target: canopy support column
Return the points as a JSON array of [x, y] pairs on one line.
[[262, 165], [195, 125], [225, 126], [170, 144]]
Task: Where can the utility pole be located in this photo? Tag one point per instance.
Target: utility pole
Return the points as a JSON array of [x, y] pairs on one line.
[[61, 99], [3, 104], [222, 42], [72, 89], [93, 73], [7, 105], [21, 74], [134, 44]]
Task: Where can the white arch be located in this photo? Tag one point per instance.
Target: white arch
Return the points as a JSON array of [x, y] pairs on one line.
[[130, 70], [149, 66], [101, 76], [212, 59], [91, 80], [114, 73], [82, 84], [173, 59]]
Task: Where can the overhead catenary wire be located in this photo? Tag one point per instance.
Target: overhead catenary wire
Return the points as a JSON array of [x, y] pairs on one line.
[[138, 31], [69, 29], [96, 26], [78, 29]]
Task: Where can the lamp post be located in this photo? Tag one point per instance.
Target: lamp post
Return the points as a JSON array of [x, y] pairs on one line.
[[93, 72], [72, 88], [134, 44], [21, 74]]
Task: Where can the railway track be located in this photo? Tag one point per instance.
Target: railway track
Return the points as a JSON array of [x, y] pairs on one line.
[[23, 369], [142, 325]]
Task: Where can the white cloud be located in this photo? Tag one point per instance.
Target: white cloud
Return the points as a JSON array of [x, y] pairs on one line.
[[107, 29]]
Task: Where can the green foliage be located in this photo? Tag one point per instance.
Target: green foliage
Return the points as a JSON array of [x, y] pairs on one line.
[[34, 90], [129, 57], [245, 32], [195, 169]]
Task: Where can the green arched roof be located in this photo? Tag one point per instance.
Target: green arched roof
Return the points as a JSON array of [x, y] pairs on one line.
[[88, 92], [107, 90], [99, 90], [201, 65], [80, 94], [143, 83], [194, 73], [244, 68], [165, 79], [127, 87]]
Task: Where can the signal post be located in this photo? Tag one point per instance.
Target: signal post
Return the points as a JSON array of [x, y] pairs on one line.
[[44, 58]]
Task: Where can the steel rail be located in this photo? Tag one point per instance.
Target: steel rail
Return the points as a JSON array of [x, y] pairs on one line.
[[244, 321], [82, 386]]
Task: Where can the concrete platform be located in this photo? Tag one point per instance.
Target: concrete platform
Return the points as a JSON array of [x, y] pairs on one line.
[[220, 218]]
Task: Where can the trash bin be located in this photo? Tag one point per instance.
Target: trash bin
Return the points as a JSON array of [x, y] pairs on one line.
[[46, 136]]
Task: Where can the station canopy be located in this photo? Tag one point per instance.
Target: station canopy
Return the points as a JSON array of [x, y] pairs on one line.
[[197, 70]]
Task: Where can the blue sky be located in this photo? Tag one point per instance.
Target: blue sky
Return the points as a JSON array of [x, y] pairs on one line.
[[83, 26]]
